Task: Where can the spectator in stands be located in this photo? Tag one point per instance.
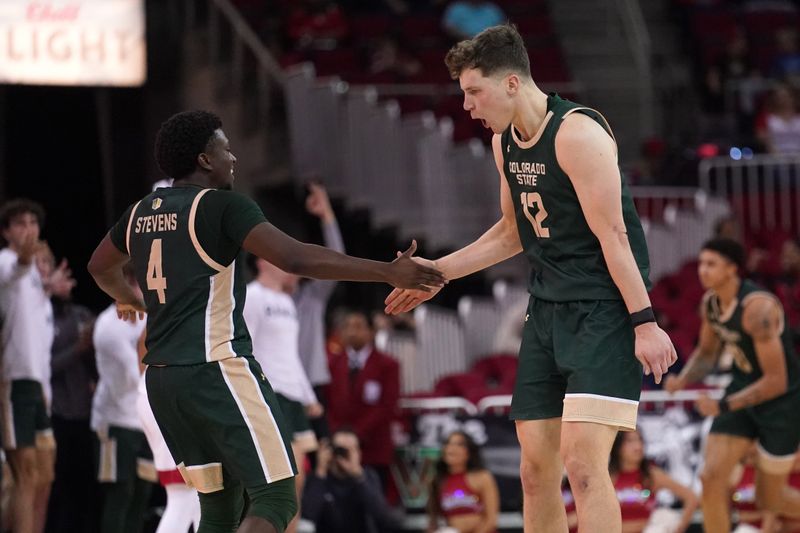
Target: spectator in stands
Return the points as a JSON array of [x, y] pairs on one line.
[[316, 25], [387, 57], [364, 392], [778, 128], [637, 481], [311, 300], [343, 495], [464, 19], [74, 376], [786, 65], [27, 337], [463, 491], [122, 446], [733, 65]]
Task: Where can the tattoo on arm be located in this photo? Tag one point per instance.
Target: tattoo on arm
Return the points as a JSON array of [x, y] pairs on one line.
[[763, 322], [698, 367]]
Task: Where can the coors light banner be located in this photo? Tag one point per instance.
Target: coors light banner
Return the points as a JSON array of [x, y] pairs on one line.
[[78, 42]]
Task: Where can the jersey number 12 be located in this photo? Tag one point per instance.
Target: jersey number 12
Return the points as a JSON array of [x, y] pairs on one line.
[[155, 276], [534, 199]]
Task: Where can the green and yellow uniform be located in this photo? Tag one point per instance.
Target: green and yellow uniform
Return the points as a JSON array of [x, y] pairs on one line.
[[577, 355], [773, 423], [216, 410]]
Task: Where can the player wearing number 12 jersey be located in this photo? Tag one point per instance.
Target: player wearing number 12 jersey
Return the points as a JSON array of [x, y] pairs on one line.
[[213, 404], [565, 205]]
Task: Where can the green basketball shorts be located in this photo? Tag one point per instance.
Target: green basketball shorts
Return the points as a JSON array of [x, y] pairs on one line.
[[122, 454], [297, 424], [577, 362], [26, 422], [221, 420], [773, 425]]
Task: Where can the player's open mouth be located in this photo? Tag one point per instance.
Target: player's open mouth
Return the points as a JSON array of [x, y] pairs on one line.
[[485, 124]]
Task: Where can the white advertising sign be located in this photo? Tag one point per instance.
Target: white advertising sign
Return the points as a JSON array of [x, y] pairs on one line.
[[77, 42]]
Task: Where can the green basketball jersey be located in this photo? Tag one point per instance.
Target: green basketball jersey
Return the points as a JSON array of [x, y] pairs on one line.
[[566, 257], [728, 327], [185, 245]]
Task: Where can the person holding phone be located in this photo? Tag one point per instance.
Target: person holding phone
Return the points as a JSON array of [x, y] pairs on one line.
[[342, 495]]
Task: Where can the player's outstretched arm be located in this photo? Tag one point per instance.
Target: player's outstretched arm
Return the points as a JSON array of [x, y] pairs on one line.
[[500, 242], [105, 266], [309, 260], [588, 155]]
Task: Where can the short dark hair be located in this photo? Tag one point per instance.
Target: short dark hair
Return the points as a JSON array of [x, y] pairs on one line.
[[20, 206], [495, 49], [362, 312], [729, 249], [181, 139]]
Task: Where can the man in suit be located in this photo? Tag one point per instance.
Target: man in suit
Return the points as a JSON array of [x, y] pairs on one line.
[[364, 392]]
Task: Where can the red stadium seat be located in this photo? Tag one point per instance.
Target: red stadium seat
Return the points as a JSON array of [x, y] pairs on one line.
[[336, 62]]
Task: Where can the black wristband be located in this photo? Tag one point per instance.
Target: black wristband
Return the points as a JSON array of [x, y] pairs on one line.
[[724, 406], [643, 317]]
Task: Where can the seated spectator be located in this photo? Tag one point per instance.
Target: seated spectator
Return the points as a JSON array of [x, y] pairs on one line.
[[463, 491], [464, 19], [364, 392], [778, 128], [637, 482], [388, 57], [344, 496], [786, 65], [317, 25]]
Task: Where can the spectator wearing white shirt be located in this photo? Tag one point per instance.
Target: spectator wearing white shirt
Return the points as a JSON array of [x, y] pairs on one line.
[[27, 337], [123, 455], [271, 318], [311, 299]]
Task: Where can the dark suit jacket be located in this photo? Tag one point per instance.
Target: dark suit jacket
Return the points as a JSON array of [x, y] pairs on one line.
[[368, 404]]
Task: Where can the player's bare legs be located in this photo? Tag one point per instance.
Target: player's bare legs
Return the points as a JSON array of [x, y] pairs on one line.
[[774, 494], [540, 472], [23, 465], [585, 448], [45, 462], [723, 453]]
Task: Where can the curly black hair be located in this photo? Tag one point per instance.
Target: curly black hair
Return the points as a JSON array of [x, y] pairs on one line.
[[181, 139], [730, 250], [20, 206]]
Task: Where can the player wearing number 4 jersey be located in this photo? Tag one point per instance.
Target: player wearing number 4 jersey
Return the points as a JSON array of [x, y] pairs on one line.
[[566, 206], [216, 410]]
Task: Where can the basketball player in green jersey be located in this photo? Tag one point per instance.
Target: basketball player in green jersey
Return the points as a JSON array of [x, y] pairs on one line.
[[762, 402], [589, 328], [214, 406]]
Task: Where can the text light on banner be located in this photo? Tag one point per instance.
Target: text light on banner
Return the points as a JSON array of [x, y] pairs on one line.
[[77, 42]]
